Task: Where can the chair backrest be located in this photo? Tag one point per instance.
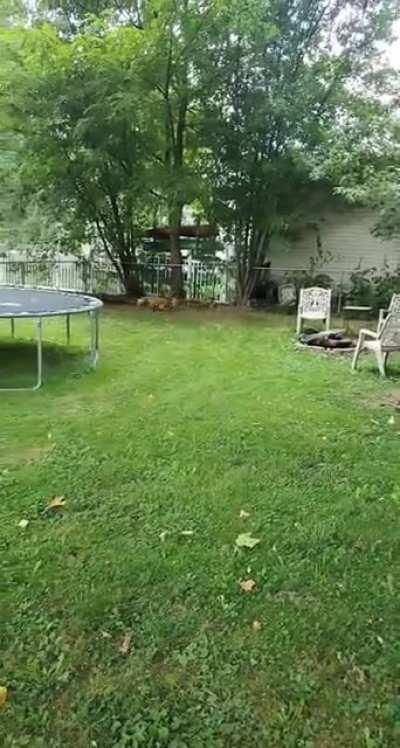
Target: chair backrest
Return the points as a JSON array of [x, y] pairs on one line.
[[394, 305], [287, 294], [390, 332], [315, 300]]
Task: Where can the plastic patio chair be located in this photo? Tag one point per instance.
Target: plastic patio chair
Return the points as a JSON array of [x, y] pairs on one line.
[[394, 306], [314, 304], [383, 342]]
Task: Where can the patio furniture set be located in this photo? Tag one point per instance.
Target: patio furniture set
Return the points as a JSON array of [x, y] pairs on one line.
[[315, 304]]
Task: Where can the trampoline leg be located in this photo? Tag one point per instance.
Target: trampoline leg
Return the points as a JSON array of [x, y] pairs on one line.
[[39, 364], [12, 327], [94, 350], [68, 328], [39, 354]]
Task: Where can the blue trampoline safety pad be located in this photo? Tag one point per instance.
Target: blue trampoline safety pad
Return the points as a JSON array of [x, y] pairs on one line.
[[42, 302]]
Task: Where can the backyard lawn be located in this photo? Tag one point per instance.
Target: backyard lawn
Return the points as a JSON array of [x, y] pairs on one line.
[[124, 622]]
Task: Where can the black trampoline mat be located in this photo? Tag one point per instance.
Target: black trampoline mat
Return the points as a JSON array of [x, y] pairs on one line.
[[41, 302]]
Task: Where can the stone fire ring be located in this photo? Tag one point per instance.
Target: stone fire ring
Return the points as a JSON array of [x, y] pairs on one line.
[[326, 349]]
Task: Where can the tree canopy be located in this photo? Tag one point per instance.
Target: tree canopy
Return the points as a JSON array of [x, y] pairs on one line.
[[130, 111]]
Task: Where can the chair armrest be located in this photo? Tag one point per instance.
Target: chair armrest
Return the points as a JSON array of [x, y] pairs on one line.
[[382, 315], [368, 334]]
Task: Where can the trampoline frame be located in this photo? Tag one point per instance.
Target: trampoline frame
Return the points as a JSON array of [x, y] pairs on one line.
[[94, 329]]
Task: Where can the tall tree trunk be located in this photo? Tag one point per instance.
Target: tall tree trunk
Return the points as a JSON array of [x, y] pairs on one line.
[[177, 289], [250, 260], [132, 281]]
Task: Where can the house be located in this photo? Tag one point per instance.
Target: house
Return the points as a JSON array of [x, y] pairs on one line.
[[340, 241]]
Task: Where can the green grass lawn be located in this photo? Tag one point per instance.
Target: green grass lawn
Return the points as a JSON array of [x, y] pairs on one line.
[[122, 618]]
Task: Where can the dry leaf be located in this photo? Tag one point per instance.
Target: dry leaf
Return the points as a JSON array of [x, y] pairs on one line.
[[246, 541], [105, 635], [23, 524], [3, 695], [243, 514], [57, 503], [163, 535], [247, 585], [187, 532], [257, 625], [125, 645]]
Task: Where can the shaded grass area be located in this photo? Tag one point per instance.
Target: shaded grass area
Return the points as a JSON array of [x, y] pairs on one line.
[[189, 420]]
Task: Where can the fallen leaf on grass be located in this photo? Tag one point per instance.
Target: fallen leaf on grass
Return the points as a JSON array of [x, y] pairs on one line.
[[247, 585], [391, 421], [257, 625], [243, 514], [23, 524], [163, 535], [245, 540], [188, 533], [125, 645], [57, 503], [3, 695]]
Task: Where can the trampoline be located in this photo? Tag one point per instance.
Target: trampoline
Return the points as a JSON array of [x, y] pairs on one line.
[[39, 303]]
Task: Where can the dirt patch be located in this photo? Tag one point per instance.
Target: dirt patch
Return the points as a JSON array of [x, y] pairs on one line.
[[391, 400]]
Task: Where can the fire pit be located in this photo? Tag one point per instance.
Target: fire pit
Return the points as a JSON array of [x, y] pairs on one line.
[[332, 341]]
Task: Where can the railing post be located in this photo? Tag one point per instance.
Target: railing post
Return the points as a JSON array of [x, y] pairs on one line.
[[340, 294]]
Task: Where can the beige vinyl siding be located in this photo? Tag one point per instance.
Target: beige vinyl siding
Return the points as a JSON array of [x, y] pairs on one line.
[[346, 236]]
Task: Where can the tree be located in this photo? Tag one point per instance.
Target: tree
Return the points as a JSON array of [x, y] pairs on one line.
[[363, 163], [280, 73], [161, 104], [76, 14], [169, 44], [173, 39], [87, 153], [361, 155]]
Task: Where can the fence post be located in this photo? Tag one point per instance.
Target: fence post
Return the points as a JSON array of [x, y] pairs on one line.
[[23, 273], [87, 285], [340, 295]]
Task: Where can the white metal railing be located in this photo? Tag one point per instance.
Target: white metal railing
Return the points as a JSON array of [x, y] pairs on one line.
[[202, 280]]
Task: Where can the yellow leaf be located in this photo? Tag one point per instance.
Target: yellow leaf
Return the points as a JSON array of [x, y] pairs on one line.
[[105, 635], [57, 503], [243, 514], [3, 695], [245, 540], [257, 625], [125, 644], [247, 585], [23, 524]]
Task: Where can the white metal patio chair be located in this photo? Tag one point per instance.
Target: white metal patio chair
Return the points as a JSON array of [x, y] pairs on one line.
[[394, 306], [383, 342], [314, 304]]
